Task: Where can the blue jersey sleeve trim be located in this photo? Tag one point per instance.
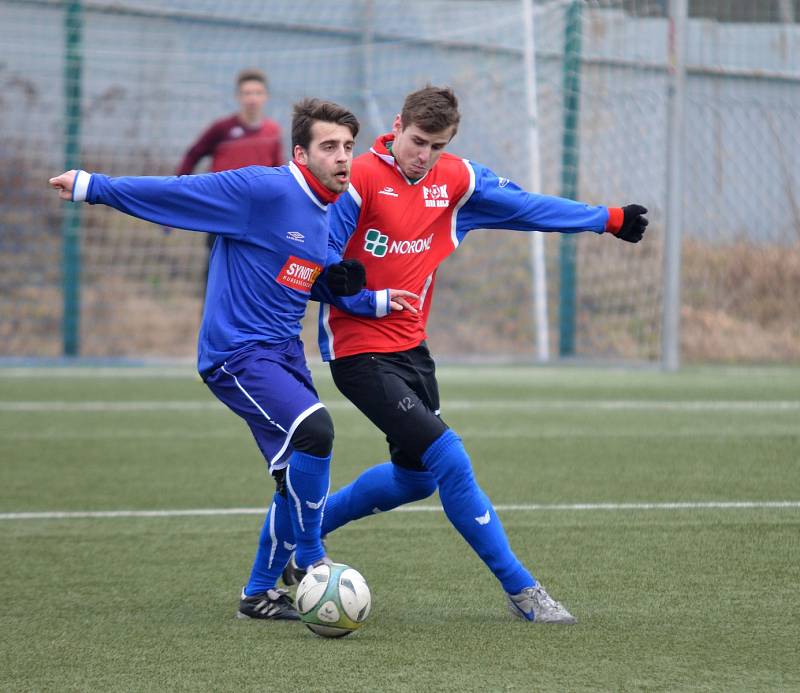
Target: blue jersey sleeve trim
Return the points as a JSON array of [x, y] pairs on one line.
[[324, 334], [80, 186], [365, 304], [454, 220]]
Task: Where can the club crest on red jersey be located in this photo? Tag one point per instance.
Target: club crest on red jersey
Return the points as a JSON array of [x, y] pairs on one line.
[[298, 273], [435, 196]]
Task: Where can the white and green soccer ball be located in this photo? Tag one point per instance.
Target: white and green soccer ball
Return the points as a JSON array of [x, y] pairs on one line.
[[333, 600]]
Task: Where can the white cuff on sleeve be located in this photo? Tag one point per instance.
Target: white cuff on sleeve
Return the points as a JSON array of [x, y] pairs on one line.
[[382, 303], [81, 186]]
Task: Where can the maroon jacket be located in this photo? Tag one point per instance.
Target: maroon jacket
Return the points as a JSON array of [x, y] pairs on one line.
[[231, 144]]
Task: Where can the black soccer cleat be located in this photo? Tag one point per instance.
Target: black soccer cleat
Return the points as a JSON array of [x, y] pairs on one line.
[[273, 604], [292, 574]]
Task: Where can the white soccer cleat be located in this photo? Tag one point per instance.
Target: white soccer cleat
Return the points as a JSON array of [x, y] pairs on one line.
[[534, 604]]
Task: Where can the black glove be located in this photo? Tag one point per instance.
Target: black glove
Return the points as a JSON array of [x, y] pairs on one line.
[[633, 223], [346, 278]]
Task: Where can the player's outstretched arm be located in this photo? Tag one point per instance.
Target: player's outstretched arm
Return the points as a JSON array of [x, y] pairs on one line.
[[501, 204], [213, 202]]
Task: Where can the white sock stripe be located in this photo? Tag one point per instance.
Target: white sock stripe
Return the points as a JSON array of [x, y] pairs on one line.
[[325, 504], [272, 537], [255, 404], [296, 499]]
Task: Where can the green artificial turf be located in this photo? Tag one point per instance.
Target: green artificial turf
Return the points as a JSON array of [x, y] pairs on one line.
[[668, 598]]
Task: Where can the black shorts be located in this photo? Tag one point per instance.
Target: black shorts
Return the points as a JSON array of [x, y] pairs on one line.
[[398, 392]]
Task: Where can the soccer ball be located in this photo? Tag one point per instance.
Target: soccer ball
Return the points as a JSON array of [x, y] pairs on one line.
[[333, 600]]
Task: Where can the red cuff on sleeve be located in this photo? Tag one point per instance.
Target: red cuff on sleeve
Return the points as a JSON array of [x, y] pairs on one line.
[[615, 217]]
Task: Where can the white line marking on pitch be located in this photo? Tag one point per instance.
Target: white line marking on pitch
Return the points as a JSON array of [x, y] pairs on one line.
[[98, 406], [754, 429], [543, 405], [689, 505]]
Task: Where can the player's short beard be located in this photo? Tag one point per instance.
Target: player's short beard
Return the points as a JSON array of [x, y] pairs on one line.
[[327, 179]]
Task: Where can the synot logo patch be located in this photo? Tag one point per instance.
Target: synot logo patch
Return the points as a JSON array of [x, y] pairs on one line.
[[298, 273]]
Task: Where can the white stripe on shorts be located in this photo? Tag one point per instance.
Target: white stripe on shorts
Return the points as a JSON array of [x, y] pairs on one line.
[[276, 462]]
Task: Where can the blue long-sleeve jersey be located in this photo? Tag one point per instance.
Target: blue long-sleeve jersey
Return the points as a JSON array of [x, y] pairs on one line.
[[272, 247]]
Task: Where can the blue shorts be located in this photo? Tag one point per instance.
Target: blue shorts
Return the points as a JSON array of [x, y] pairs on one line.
[[270, 387]]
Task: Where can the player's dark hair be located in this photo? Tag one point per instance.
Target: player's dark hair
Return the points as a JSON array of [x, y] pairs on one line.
[[308, 111], [251, 74], [431, 109]]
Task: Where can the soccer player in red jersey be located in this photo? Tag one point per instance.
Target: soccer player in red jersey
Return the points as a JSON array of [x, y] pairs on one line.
[[411, 204]]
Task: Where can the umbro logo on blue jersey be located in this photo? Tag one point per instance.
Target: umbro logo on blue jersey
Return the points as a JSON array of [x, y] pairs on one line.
[[295, 236]]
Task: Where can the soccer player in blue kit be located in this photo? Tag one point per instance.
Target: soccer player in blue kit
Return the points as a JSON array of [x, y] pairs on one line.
[[272, 245]]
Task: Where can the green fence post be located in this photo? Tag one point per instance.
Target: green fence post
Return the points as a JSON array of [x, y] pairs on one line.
[[569, 176], [70, 229]]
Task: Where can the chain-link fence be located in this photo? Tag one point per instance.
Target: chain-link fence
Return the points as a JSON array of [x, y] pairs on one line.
[[125, 87]]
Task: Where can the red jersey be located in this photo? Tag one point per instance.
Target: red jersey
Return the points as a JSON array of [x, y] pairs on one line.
[[402, 230], [233, 144]]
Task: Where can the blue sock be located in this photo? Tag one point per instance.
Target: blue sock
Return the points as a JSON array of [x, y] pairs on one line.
[[378, 489], [274, 546], [307, 481], [471, 513]]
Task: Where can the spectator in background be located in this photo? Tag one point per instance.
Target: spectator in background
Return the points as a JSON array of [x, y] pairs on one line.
[[245, 138]]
